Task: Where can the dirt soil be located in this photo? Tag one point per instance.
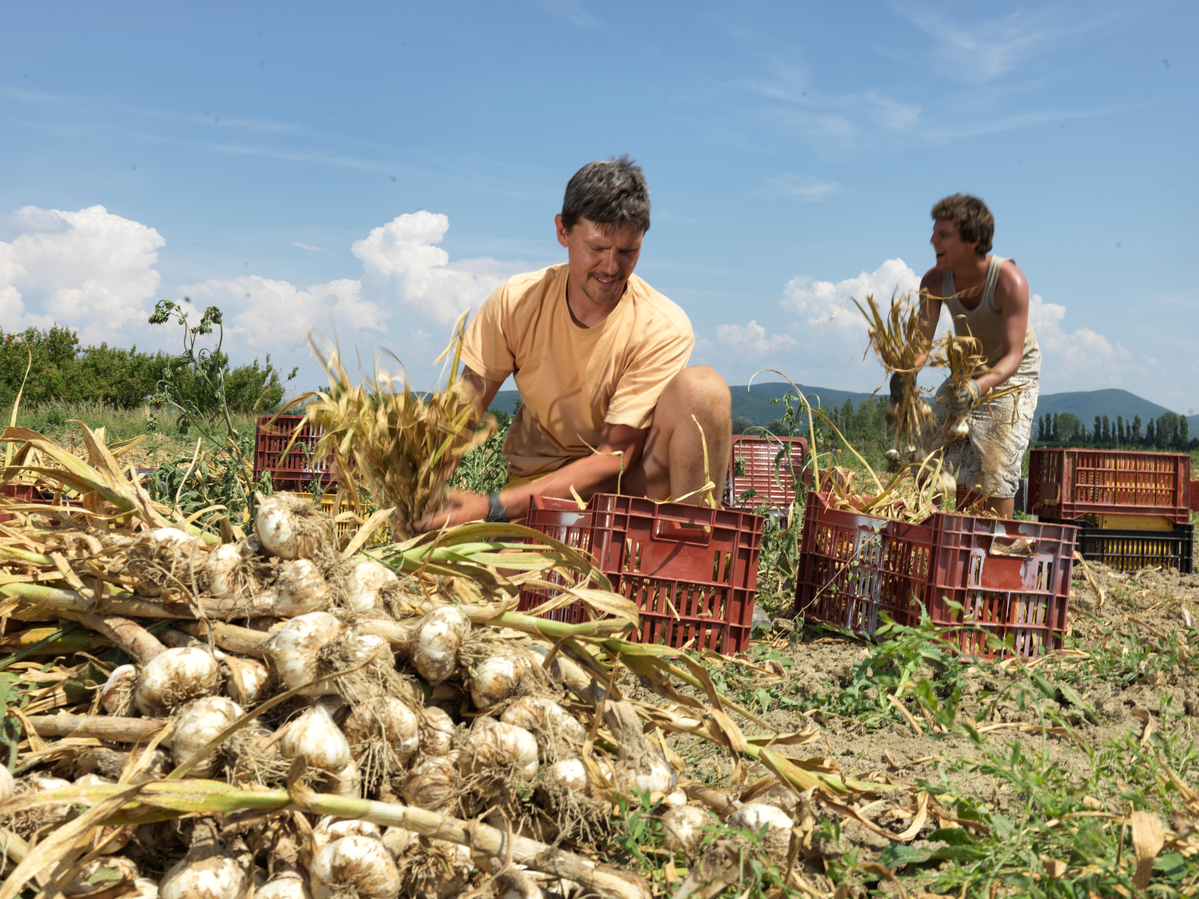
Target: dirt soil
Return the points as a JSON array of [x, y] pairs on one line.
[[1109, 615]]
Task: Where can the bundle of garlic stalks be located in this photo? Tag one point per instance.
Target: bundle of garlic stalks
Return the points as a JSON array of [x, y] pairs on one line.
[[202, 715], [401, 445], [898, 341]]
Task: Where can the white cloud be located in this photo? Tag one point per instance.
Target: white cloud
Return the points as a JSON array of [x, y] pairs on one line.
[[751, 340], [820, 303], [994, 47], [94, 272], [88, 270], [807, 189], [402, 258], [270, 313], [1070, 359]]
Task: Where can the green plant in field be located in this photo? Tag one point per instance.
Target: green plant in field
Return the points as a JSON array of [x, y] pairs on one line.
[[218, 475], [899, 666], [484, 469], [1038, 826]]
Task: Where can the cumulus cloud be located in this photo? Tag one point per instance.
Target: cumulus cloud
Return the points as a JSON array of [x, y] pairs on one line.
[[89, 270], [276, 313], [1071, 358], [94, 272], [751, 340], [821, 303], [401, 258], [808, 189]]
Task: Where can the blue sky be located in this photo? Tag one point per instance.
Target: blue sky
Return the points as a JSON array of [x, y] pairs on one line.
[[378, 168]]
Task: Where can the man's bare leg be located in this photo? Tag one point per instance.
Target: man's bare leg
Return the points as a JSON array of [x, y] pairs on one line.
[[672, 462]]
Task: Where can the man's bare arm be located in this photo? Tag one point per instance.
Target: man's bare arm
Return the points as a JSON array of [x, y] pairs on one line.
[[619, 450], [930, 309]]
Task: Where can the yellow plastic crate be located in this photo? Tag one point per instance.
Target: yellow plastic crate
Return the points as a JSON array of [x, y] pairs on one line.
[[1123, 522], [347, 528]]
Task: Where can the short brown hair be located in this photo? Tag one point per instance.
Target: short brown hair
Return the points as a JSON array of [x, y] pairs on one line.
[[971, 215], [611, 192]]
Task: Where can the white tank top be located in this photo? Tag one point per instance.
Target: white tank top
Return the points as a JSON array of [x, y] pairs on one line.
[[985, 322]]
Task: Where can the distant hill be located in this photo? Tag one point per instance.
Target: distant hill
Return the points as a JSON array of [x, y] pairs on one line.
[[754, 403]]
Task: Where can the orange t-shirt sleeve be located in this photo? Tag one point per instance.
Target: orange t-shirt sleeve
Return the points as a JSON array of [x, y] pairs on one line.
[[639, 388], [485, 347]]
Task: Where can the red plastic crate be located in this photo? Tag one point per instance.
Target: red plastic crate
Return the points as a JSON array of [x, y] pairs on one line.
[[1012, 579], [20, 492], [855, 566], [295, 469], [773, 484], [1194, 497], [692, 571], [1066, 484]]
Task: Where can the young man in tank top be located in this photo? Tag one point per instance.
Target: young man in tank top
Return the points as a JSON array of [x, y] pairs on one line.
[[986, 296], [600, 360]]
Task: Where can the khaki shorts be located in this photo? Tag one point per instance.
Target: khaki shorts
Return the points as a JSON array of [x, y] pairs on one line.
[[989, 461]]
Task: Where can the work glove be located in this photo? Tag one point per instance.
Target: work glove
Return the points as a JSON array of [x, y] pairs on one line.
[[961, 400], [896, 388]]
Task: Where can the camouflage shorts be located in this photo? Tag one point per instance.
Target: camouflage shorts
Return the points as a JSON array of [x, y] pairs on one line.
[[988, 462]]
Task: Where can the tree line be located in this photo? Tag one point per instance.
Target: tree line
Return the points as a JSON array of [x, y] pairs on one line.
[[62, 371], [1168, 432]]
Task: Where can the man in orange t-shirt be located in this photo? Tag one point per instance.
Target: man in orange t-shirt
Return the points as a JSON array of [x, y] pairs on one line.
[[600, 360]]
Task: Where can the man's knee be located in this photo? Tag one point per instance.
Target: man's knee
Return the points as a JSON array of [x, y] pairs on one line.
[[698, 387]]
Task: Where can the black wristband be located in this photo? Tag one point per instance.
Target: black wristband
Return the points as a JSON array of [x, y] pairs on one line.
[[495, 509]]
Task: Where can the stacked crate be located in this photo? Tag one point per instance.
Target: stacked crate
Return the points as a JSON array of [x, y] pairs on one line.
[[692, 571], [992, 587], [769, 467], [285, 447], [1132, 508]]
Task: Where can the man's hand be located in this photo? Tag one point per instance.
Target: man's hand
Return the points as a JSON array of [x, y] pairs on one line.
[[962, 399], [460, 508]]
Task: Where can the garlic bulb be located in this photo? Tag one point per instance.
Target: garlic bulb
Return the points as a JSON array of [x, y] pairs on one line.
[[199, 723], [356, 865], [233, 571], [329, 828], [315, 738], [682, 828], [366, 584], [398, 841], [109, 874], [175, 676], [499, 676], [92, 780], [295, 647], [500, 750], [540, 714], [655, 777], [346, 781], [433, 783], [247, 681], [286, 884], [43, 783], [116, 696], [217, 876], [675, 799], [290, 527], [437, 734], [436, 869], [165, 557], [435, 649], [299, 589], [7, 787], [385, 718], [568, 776], [755, 815]]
